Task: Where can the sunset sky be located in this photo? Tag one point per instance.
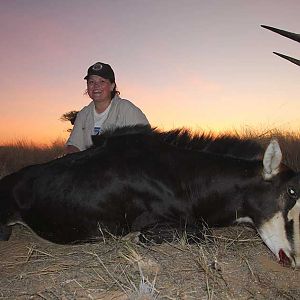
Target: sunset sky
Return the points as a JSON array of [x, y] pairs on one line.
[[202, 64]]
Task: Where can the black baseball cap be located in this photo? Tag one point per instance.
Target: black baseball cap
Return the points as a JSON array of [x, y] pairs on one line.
[[101, 69]]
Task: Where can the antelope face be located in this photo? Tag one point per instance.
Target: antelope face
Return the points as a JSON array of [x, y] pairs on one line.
[[281, 233], [279, 222]]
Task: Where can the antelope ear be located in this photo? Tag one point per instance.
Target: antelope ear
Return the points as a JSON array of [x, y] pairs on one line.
[[272, 160]]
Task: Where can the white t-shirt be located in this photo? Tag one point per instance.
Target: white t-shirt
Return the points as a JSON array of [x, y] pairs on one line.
[[99, 120]]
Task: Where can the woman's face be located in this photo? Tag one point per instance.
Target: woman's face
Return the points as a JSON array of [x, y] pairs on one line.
[[99, 88]]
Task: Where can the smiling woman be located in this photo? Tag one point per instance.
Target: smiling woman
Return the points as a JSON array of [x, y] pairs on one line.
[[106, 111]]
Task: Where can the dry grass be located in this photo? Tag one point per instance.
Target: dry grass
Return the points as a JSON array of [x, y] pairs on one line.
[[18, 154], [230, 263]]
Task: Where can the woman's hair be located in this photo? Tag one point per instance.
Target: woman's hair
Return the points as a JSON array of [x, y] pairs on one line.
[[114, 91]]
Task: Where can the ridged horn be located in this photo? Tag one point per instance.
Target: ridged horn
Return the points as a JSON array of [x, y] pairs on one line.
[[291, 59], [290, 35]]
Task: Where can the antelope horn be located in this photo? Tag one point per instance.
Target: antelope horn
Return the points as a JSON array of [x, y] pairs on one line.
[[290, 35], [291, 59]]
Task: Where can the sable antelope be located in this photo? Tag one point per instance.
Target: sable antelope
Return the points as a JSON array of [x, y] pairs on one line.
[[141, 179]]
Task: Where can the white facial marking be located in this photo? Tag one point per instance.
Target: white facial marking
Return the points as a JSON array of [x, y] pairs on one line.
[[294, 214], [274, 235], [244, 220]]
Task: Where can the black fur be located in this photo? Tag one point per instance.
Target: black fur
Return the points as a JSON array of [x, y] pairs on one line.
[[142, 179], [183, 138]]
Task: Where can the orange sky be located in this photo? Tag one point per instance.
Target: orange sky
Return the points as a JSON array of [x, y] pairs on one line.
[[200, 64]]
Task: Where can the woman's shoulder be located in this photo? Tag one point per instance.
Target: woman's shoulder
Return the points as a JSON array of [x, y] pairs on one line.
[[124, 103], [87, 109], [126, 111]]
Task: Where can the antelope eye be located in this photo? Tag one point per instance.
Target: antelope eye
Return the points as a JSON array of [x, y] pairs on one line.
[[292, 193]]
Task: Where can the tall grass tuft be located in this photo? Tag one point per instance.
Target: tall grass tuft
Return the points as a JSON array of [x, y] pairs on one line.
[[19, 154]]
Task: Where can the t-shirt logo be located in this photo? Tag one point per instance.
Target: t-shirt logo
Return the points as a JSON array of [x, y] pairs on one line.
[[97, 130]]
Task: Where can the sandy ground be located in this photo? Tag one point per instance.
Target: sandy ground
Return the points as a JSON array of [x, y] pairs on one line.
[[232, 264]]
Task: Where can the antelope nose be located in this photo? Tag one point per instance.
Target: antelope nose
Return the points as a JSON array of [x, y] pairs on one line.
[[284, 259]]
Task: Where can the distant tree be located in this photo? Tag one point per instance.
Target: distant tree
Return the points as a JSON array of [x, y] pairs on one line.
[[69, 116]]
